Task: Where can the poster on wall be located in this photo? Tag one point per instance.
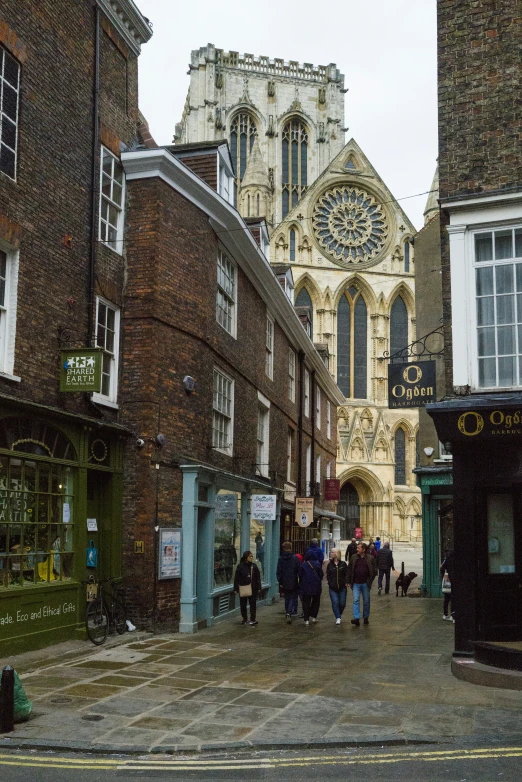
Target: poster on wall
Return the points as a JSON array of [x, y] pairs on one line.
[[304, 511], [169, 557], [264, 507]]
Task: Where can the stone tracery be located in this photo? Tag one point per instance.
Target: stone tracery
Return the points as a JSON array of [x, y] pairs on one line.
[[350, 225]]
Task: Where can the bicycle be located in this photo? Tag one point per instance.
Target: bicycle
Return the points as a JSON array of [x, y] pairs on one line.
[[104, 612]]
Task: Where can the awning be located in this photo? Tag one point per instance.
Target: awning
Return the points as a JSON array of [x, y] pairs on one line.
[[327, 514]]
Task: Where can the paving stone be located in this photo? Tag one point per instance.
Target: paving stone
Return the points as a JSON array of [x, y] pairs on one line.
[[104, 665], [265, 699], [121, 681], [90, 690], [214, 695], [133, 737], [184, 684], [241, 715], [180, 709], [204, 731], [125, 705], [161, 723], [159, 693]]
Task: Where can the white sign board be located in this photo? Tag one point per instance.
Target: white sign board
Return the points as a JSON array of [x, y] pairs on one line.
[[92, 525], [66, 513], [226, 506], [264, 507]]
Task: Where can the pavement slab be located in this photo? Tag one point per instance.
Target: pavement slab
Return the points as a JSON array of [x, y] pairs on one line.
[[275, 684]]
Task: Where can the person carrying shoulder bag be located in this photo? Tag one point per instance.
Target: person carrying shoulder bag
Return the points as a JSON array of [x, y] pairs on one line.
[[247, 584]]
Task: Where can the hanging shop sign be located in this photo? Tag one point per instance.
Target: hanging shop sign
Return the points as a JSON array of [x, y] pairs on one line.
[[264, 507], [304, 511], [81, 369], [332, 489], [169, 555], [226, 506], [411, 385], [473, 426]]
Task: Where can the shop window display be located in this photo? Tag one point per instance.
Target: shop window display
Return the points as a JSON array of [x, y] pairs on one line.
[[258, 545], [36, 522], [227, 537]]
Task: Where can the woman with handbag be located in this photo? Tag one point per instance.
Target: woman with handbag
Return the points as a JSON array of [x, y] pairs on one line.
[[247, 584], [447, 571]]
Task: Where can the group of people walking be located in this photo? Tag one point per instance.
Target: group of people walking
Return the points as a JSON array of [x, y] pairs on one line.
[[304, 579]]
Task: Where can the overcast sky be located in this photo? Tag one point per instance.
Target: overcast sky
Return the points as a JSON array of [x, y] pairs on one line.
[[385, 48]]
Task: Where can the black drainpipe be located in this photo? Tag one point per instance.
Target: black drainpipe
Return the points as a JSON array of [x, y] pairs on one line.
[[300, 358], [94, 182]]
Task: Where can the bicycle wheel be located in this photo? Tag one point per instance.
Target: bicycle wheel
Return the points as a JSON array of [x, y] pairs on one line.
[[97, 622], [118, 615]]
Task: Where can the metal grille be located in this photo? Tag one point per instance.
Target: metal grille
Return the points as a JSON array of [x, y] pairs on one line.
[[224, 604]]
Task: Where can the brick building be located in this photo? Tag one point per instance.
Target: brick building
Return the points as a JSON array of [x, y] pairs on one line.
[[220, 381], [480, 166], [68, 87]]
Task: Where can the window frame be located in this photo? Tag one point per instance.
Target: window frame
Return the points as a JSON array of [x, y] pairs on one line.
[[292, 363], [318, 407], [228, 449], [104, 222], [230, 298], [473, 232], [111, 398], [8, 311], [269, 346], [307, 393], [4, 52], [328, 420], [289, 454], [308, 470], [263, 446]]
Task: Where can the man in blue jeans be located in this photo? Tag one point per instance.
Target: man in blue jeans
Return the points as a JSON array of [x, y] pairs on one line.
[[361, 572]]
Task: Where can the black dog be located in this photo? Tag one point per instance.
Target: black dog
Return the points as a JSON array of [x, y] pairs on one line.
[[404, 582]]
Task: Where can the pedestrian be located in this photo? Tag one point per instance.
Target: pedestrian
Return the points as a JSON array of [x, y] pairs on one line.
[[361, 572], [315, 550], [351, 550], [336, 573], [377, 544], [288, 578], [247, 584], [310, 578], [372, 550], [385, 565], [448, 566]]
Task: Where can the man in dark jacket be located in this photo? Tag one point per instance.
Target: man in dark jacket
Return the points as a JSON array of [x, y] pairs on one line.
[[361, 572], [288, 578], [385, 565], [310, 577], [351, 550], [315, 551]]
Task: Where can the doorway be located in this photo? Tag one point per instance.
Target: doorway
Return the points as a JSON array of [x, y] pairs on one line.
[[348, 507]]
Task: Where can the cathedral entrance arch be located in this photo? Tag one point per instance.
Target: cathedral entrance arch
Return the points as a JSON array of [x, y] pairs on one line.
[[348, 508]]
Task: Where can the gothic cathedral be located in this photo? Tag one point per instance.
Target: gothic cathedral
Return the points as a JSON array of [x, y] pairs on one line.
[[350, 248]]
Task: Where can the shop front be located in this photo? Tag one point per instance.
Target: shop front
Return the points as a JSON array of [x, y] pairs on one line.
[[217, 527], [56, 472], [485, 435], [436, 485]]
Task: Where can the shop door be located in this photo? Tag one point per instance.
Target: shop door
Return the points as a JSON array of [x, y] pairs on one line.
[[99, 508], [500, 555]]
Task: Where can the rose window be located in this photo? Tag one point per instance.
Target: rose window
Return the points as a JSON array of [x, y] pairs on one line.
[[350, 225]]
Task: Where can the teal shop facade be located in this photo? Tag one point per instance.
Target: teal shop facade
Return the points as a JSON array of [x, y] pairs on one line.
[[436, 485], [217, 527]]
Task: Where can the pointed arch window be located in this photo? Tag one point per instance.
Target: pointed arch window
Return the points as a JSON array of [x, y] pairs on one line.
[[398, 326], [303, 300], [294, 163], [243, 132], [292, 244], [400, 457], [352, 344]]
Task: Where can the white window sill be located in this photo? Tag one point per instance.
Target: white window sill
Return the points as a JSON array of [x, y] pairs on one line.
[[12, 378], [221, 450], [108, 246], [102, 400]]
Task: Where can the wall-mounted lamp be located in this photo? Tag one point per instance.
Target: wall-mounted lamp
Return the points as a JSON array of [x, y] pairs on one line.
[[188, 384], [429, 451]]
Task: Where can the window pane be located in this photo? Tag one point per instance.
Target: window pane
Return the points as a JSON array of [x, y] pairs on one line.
[[8, 132], [504, 279], [486, 311], [505, 309], [343, 345], [486, 342], [505, 340], [360, 349], [485, 281], [483, 247], [7, 161], [487, 372], [11, 70], [257, 544], [507, 371], [503, 244], [518, 243], [501, 538], [106, 186], [107, 164], [9, 101]]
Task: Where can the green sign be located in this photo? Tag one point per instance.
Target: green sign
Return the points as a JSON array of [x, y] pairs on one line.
[[81, 369]]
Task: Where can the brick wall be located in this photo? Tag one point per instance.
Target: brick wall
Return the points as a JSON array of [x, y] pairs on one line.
[[169, 331]]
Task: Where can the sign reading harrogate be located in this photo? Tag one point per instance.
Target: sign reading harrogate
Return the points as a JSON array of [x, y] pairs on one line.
[[411, 385], [81, 369]]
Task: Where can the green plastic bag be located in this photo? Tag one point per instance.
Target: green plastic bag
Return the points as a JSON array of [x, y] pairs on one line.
[[22, 705]]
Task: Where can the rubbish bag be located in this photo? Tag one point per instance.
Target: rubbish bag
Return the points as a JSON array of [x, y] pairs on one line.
[[22, 705]]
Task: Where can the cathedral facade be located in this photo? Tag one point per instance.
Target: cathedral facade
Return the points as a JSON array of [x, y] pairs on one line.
[[349, 244]]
